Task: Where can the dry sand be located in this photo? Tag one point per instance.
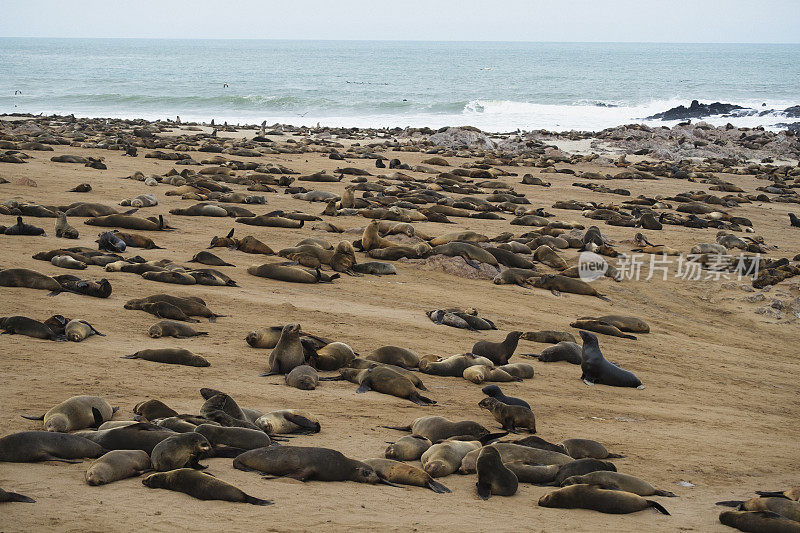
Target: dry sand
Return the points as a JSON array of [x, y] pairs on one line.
[[719, 409]]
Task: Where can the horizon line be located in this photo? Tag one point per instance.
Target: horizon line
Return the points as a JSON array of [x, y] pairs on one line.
[[389, 40]]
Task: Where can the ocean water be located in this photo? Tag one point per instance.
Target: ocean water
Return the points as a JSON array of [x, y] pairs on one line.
[[495, 86]]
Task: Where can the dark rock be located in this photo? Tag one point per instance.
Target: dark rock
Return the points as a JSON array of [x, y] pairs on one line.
[[695, 110]]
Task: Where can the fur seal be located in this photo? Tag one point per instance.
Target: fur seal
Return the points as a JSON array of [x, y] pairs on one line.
[[586, 448], [597, 370], [510, 417], [78, 330], [511, 452], [376, 268], [493, 476], [599, 326], [153, 409], [792, 493], [172, 356], [180, 451], [222, 409], [200, 485], [6, 496], [20, 228], [494, 391], [168, 328], [563, 351], [548, 336], [558, 284], [138, 436], [438, 428], [580, 467], [75, 413], [394, 355], [387, 381], [22, 325], [207, 258], [289, 273], [63, 229], [306, 464], [170, 276], [371, 238], [65, 261], [237, 437], [22, 277], [288, 353], [302, 377], [116, 465], [135, 240], [288, 421], [190, 306], [627, 324], [606, 479], [443, 459], [536, 474], [397, 472], [518, 370], [332, 356], [597, 499], [408, 448], [127, 222], [516, 276], [453, 366], [166, 310], [111, 242], [758, 522], [33, 446], [479, 373], [96, 289], [498, 352]]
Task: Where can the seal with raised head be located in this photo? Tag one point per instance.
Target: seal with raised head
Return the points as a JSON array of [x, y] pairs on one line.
[[408, 448], [597, 370], [288, 353], [606, 479], [63, 229], [179, 451], [397, 472], [510, 417], [305, 464], [200, 485], [493, 476], [498, 352], [116, 465], [169, 328], [597, 499], [171, 356], [222, 409], [33, 446], [75, 413]]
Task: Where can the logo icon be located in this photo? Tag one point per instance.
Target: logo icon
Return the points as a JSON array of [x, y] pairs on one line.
[[591, 266]]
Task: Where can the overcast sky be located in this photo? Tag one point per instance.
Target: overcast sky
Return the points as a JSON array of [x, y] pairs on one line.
[[762, 21]]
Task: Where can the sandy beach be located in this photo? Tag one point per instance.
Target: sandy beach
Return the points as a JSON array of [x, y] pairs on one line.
[[718, 410]]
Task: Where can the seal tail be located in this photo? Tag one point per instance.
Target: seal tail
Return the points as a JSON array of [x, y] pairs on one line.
[[303, 422], [398, 428], [31, 417], [256, 501], [486, 439], [632, 337], [422, 400], [437, 487], [658, 507]]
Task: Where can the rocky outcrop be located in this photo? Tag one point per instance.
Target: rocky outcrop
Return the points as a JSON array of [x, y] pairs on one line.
[[696, 110]]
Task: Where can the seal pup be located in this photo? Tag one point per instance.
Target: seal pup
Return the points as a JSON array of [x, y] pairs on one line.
[[63, 229], [332, 356], [116, 465], [6, 496], [494, 391], [179, 451], [403, 474], [597, 499], [408, 448], [207, 258], [510, 417], [493, 476], [606, 479], [288, 421], [288, 353], [200, 485], [171, 356], [78, 330], [169, 328], [306, 464], [597, 370], [110, 242], [34, 446], [75, 413], [498, 352], [558, 284], [444, 458], [302, 377]]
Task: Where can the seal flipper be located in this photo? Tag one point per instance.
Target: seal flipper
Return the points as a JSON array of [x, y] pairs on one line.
[[664, 493], [486, 439], [606, 299], [364, 388], [302, 421], [230, 452], [618, 456], [436, 487], [731, 503], [387, 482], [398, 428], [16, 497], [256, 501], [31, 417], [555, 292], [658, 507], [48, 457], [771, 494], [98, 417], [484, 490], [421, 400]]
